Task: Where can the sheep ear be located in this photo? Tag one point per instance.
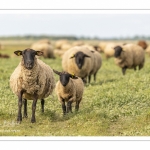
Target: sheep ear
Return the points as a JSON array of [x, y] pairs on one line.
[[39, 53], [57, 72], [18, 53], [72, 56], [73, 76]]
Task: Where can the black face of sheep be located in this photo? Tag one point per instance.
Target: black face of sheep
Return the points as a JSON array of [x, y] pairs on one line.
[[79, 59], [118, 50], [28, 57], [65, 77]]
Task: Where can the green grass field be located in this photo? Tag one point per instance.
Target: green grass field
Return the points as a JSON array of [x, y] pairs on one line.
[[114, 105]]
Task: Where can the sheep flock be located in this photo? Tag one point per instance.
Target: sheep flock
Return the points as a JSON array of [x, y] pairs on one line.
[[33, 79]]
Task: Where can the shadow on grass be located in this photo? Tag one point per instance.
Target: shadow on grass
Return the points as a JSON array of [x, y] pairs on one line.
[[55, 117]]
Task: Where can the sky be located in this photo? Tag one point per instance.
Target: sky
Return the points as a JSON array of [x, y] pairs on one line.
[[88, 25]]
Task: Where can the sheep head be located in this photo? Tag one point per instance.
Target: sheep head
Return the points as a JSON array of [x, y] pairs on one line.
[[65, 77], [118, 50], [79, 58], [28, 57]]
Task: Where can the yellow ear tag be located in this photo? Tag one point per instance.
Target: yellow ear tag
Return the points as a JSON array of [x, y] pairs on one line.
[[19, 53], [73, 75]]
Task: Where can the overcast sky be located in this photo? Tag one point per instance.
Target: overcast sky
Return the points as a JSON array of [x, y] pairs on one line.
[[91, 25]]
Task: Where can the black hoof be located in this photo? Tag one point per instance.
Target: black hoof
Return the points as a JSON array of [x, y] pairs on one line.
[[33, 121], [19, 119], [25, 116]]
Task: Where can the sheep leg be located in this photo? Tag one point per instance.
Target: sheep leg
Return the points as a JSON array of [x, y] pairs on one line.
[[33, 110], [134, 68], [25, 115], [95, 77], [141, 66], [77, 105], [89, 78], [19, 118], [69, 106], [124, 70], [42, 105], [63, 107]]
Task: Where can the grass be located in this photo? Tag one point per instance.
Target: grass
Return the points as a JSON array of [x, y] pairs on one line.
[[114, 105]]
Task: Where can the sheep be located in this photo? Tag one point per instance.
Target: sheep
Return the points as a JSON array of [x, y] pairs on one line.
[[143, 44], [78, 43], [97, 64], [59, 43], [32, 79], [69, 89], [96, 60], [109, 49], [4, 56], [46, 48], [129, 56], [76, 60]]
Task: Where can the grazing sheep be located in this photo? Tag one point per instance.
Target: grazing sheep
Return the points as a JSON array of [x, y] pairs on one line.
[[69, 89], [102, 46], [77, 61], [44, 47], [129, 56], [4, 56], [32, 79], [59, 43], [143, 44]]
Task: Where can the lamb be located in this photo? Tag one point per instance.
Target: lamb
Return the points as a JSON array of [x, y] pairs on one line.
[[77, 61], [32, 79], [129, 56], [69, 89], [45, 47]]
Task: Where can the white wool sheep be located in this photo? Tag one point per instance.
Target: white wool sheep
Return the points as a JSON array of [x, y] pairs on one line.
[[129, 56], [82, 67], [69, 89], [32, 79]]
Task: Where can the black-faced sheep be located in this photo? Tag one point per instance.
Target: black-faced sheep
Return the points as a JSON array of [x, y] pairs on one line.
[[69, 89], [129, 56], [32, 79], [75, 61]]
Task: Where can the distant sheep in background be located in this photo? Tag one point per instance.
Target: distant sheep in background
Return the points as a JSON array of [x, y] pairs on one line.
[[69, 89], [129, 56], [4, 56], [143, 44], [45, 47]]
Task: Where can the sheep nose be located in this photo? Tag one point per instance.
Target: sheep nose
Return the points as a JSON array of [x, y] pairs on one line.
[[29, 62]]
